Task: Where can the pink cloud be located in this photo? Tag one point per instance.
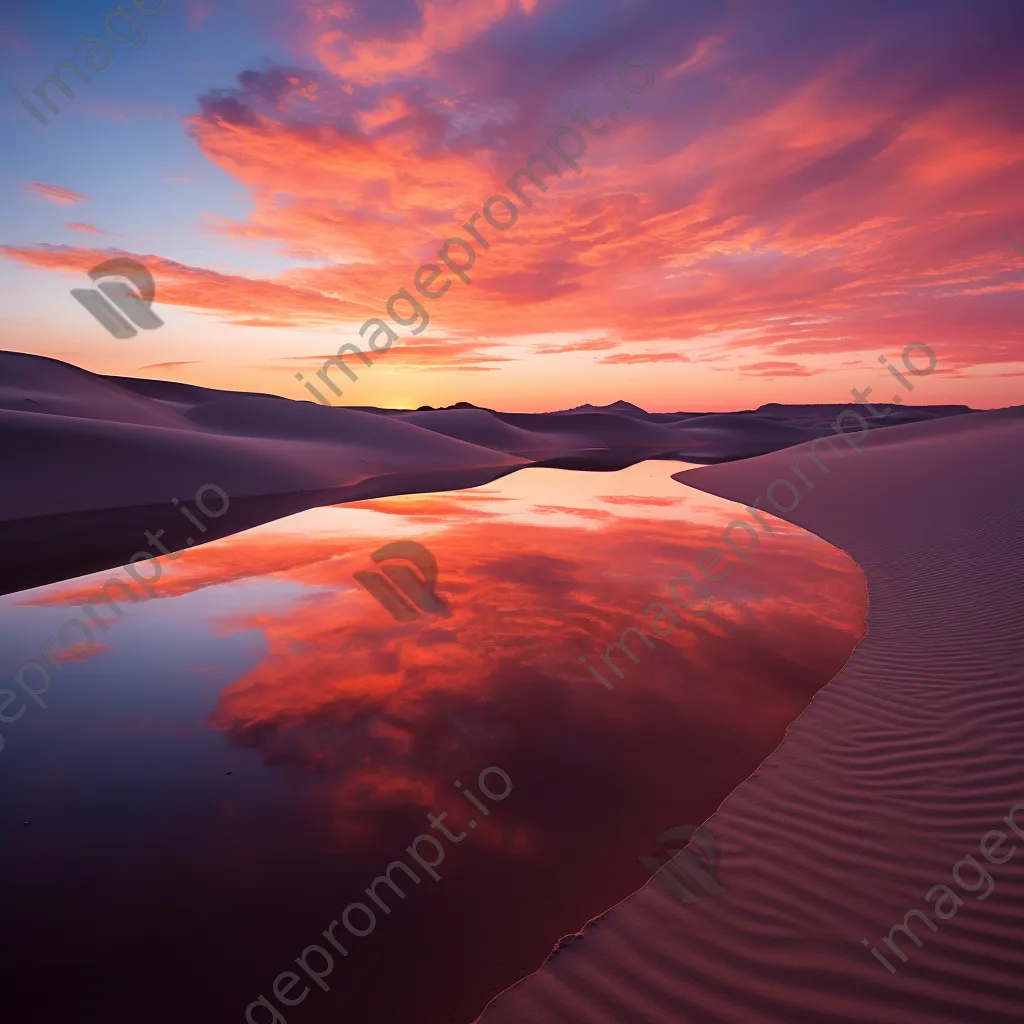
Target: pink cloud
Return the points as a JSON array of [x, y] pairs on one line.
[[767, 203], [778, 368], [13, 40], [78, 225], [56, 194]]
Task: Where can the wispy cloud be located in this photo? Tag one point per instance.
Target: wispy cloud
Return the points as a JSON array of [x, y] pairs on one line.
[[596, 345], [80, 225], [56, 194], [645, 357], [778, 368], [12, 40]]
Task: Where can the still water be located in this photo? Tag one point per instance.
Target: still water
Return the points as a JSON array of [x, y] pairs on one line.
[[224, 773]]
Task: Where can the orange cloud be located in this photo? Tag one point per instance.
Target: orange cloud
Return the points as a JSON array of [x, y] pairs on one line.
[[806, 204], [594, 345], [200, 289], [645, 357], [777, 368]]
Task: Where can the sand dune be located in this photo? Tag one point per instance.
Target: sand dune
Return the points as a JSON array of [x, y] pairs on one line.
[[93, 462], [747, 434], [486, 429], [824, 414], [909, 757], [896, 771]]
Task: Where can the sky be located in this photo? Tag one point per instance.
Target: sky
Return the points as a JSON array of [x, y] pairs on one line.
[[785, 193]]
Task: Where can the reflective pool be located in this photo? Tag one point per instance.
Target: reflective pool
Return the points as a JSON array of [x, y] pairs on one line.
[[219, 779]]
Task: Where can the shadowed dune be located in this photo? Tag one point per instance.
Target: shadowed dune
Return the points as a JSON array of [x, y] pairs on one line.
[[92, 463]]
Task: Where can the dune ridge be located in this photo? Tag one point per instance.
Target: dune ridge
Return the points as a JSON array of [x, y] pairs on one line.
[[93, 462], [894, 772]]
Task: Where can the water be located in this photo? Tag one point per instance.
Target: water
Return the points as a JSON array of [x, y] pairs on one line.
[[232, 763]]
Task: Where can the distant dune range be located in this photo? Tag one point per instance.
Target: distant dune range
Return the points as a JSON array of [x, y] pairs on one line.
[[91, 462], [899, 765]]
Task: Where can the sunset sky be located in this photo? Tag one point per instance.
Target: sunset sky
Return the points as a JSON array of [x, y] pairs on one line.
[[803, 187]]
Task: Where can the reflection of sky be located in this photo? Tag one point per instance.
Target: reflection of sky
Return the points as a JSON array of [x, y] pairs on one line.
[[342, 728]]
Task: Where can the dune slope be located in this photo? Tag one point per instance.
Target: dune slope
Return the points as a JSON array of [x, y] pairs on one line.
[[896, 771], [94, 462]]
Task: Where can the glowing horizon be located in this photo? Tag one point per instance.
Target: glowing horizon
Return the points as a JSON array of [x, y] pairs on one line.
[[790, 199]]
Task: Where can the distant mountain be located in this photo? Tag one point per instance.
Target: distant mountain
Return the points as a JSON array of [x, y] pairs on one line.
[[620, 407]]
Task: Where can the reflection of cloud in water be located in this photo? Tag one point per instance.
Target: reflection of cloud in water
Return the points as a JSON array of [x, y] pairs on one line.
[[358, 726], [385, 714], [389, 713]]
